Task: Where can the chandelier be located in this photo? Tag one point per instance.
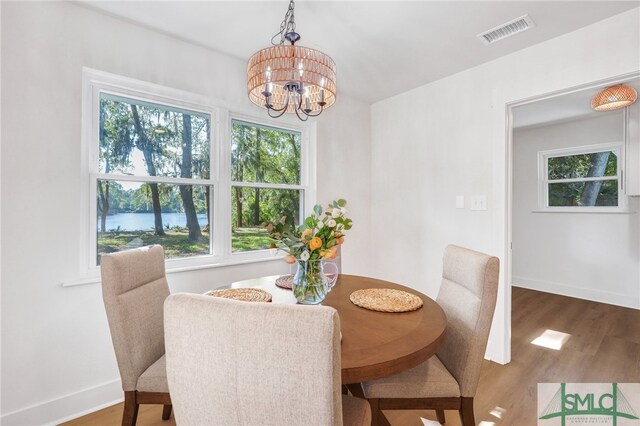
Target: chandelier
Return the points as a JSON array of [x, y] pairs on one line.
[[291, 79], [614, 97]]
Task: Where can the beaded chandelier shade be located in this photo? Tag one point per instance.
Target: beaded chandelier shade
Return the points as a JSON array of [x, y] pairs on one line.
[[280, 65], [289, 78], [614, 97]]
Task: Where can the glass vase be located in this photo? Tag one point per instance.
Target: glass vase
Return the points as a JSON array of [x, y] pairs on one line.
[[310, 284]]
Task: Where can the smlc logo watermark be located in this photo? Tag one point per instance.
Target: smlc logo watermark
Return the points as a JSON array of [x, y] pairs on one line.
[[616, 404]]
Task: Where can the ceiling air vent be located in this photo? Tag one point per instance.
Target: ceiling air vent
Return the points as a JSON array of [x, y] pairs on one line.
[[508, 29]]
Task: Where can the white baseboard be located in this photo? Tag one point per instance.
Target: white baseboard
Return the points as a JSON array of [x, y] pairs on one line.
[[66, 407], [618, 299]]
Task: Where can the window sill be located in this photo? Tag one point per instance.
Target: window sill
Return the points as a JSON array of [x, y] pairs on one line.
[[586, 211], [176, 270]]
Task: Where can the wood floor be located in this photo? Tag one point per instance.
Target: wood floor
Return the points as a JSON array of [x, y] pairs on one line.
[[604, 346]]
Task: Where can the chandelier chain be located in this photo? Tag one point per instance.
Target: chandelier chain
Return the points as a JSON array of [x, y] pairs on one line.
[[288, 25]]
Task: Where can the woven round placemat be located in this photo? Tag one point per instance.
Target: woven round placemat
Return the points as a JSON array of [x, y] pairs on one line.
[[285, 281], [242, 294], [385, 300]]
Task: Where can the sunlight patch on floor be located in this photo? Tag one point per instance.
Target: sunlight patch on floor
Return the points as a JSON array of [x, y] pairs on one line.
[[498, 412], [483, 423], [551, 339]]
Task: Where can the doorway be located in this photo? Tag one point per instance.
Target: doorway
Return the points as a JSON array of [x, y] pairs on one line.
[[530, 192]]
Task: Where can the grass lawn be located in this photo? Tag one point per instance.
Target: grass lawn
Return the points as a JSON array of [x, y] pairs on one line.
[[176, 243], [247, 239]]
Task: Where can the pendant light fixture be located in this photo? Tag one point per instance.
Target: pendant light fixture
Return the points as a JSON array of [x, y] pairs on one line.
[[286, 78], [614, 97]]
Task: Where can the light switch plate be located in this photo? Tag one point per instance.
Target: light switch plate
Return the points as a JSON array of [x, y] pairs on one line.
[[460, 202], [478, 202]]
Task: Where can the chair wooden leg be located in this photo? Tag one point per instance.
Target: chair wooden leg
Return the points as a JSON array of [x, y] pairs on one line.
[[466, 412], [377, 416], [130, 412], [356, 390], [375, 412], [440, 416], [166, 412]]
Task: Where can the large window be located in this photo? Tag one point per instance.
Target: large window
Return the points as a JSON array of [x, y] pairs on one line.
[[581, 179], [168, 167], [265, 179], [153, 183]]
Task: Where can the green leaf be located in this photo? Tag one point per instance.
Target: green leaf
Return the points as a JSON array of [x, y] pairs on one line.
[[317, 209], [342, 203], [309, 222]]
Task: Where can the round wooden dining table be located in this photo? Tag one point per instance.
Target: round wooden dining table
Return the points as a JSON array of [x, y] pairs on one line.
[[374, 344]]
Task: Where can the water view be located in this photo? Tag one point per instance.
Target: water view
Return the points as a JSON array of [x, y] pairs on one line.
[[145, 221]]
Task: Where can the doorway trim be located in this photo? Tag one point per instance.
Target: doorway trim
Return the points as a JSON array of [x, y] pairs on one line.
[[508, 272]]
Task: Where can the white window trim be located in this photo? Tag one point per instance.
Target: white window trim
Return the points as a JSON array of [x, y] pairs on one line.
[[94, 82], [543, 180], [307, 176]]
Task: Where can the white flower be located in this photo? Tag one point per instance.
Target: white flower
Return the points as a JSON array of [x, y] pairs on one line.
[[320, 224], [331, 223], [304, 256], [343, 210], [336, 213]]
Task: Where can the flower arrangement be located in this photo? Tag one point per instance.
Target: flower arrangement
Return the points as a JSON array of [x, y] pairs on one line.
[[317, 238]]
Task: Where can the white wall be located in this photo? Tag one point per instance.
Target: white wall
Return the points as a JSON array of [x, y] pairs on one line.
[[57, 357], [448, 138], [593, 256]]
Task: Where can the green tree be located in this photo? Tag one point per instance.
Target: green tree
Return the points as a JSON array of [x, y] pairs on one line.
[[243, 159], [582, 193], [591, 189], [186, 192], [149, 150], [115, 148]]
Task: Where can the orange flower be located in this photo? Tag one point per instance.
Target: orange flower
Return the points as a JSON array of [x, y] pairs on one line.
[[331, 253], [340, 240], [315, 243], [306, 235], [290, 259]]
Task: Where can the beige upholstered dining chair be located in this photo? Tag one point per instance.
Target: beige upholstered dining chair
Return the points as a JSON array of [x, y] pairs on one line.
[[241, 363], [134, 287], [449, 380]]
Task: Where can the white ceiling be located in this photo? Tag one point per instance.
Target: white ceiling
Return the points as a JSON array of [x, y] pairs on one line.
[[571, 106], [381, 48]]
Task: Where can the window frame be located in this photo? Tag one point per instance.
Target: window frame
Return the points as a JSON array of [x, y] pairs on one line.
[[544, 181], [307, 200], [219, 182]]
